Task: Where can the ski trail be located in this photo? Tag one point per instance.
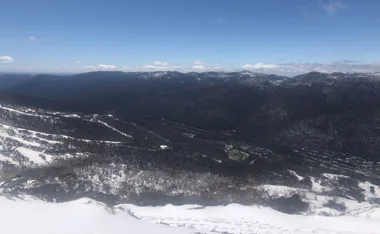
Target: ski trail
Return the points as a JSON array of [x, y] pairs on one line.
[[114, 129]]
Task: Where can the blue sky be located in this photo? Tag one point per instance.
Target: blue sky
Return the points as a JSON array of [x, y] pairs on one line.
[[82, 35]]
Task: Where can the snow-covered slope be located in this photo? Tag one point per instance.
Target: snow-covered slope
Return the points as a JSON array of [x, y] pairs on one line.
[[254, 219], [60, 157], [83, 216], [88, 216], [28, 135]]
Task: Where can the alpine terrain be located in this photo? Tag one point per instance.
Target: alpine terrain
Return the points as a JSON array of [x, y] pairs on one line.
[[171, 152]]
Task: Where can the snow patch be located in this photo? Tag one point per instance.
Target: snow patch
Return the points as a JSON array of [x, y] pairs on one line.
[[35, 133], [114, 129], [78, 217], [334, 176], [30, 113], [8, 160], [163, 147], [72, 116], [252, 219], [276, 191], [296, 175], [34, 156], [317, 187], [367, 187]]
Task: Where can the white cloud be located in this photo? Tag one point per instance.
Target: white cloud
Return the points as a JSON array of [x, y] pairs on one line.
[[102, 67], [198, 67], [291, 69], [88, 67], [197, 62], [32, 38], [202, 66], [126, 68], [159, 66], [287, 69], [149, 67], [107, 67], [332, 7], [259, 66], [159, 63], [6, 59], [217, 68], [78, 62]]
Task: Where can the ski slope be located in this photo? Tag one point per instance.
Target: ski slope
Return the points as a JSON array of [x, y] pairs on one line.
[[83, 216], [32, 216]]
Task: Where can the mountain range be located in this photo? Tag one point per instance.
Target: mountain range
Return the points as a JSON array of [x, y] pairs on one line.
[[308, 144]]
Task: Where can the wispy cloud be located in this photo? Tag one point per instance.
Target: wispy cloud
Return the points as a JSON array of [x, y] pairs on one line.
[[159, 63], [6, 59], [88, 67], [107, 66], [149, 66], [198, 67], [259, 66], [159, 66], [332, 7], [32, 38], [286, 69], [348, 61], [201, 66], [100, 67], [291, 69], [198, 62]]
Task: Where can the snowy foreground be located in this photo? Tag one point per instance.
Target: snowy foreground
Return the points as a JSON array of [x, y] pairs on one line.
[[85, 216]]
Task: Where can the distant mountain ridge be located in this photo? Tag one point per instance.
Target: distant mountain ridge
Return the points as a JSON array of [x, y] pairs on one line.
[[10, 80], [74, 86]]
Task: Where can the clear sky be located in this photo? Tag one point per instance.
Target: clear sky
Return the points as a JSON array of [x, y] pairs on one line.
[[82, 35]]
